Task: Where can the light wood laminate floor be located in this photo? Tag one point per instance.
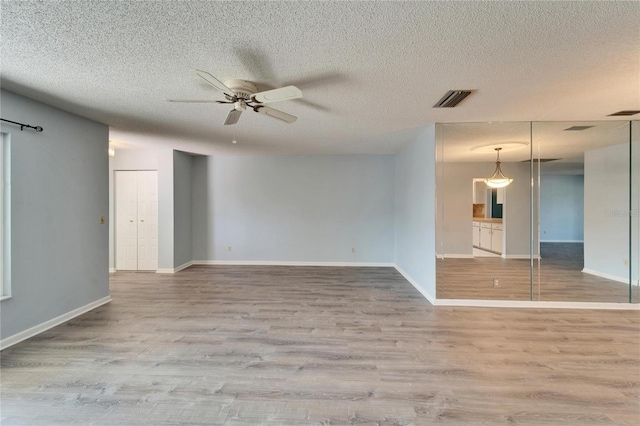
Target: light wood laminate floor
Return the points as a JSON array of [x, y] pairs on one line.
[[245, 345], [557, 277]]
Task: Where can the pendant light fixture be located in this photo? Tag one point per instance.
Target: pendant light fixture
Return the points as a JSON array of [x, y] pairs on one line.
[[498, 180]]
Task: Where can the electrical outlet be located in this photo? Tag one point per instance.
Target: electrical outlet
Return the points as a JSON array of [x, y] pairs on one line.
[[626, 262], [101, 220], [496, 283], [411, 262], [353, 249], [228, 248]]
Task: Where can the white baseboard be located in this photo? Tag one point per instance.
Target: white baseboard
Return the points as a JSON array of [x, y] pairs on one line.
[[183, 266], [520, 256], [536, 304], [562, 241], [23, 335], [279, 263], [174, 270], [471, 256], [455, 256], [608, 276], [407, 277], [112, 270]]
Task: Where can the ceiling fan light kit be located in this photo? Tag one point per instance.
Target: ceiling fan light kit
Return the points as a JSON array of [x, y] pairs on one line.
[[242, 94], [498, 180]]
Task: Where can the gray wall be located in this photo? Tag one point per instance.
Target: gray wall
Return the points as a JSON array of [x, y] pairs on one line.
[[561, 208], [606, 211], [415, 208], [182, 214], [455, 198], [310, 208], [59, 188], [202, 231], [147, 159]]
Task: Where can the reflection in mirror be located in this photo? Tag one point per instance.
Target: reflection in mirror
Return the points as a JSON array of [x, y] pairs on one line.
[[582, 180], [567, 228], [483, 234], [634, 267]]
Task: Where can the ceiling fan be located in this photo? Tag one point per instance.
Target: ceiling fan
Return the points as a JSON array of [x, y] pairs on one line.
[[243, 94]]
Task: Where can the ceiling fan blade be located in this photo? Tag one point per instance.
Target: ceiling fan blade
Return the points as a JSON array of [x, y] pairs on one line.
[[274, 113], [232, 117], [215, 82], [276, 95], [200, 101]]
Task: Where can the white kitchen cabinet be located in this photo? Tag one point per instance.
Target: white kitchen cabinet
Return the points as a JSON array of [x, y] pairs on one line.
[[488, 236], [500, 195], [476, 234], [485, 236], [496, 240]]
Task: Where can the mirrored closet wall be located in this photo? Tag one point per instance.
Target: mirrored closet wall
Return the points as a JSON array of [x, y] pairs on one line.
[[544, 211]]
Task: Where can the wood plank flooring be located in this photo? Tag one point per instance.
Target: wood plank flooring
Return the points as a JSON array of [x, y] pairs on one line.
[[245, 345], [557, 277]]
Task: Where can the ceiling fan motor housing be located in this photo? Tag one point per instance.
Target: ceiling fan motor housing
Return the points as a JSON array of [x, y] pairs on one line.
[[242, 88]]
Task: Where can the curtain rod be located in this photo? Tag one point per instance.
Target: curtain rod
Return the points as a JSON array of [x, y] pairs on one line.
[[22, 126]]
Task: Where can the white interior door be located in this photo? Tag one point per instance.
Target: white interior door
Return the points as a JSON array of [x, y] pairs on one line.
[[136, 220], [126, 220], [147, 220]]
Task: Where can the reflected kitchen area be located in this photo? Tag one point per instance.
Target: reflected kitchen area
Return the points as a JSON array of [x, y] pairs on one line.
[[545, 211], [488, 230]]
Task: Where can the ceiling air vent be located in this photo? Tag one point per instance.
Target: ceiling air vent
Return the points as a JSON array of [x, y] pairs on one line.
[[624, 113], [576, 128], [452, 98]]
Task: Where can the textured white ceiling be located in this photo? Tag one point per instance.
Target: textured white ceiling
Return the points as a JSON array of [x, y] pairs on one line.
[[546, 140], [370, 71]]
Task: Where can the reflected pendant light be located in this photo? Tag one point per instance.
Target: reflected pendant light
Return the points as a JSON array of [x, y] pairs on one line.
[[498, 180]]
